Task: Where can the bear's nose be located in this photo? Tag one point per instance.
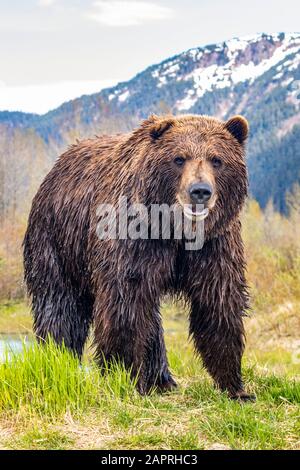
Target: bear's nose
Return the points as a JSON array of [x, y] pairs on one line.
[[200, 192]]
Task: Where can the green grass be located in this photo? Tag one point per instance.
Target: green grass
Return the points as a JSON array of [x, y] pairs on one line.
[[51, 380], [49, 401], [41, 439]]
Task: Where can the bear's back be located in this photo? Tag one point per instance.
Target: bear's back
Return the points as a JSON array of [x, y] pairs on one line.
[[62, 205]]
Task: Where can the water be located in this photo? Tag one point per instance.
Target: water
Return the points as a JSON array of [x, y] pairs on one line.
[[12, 344]]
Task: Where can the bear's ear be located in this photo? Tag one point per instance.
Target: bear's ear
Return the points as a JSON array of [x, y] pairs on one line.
[[157, 126], [238, 127]]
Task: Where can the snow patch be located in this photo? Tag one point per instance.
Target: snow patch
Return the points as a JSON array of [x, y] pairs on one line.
[[287, 82], [166, 71], [278, 76], [216, 76], [123, 96], [188, 101]]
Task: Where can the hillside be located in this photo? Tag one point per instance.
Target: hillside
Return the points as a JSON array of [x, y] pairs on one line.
[[255, 76]]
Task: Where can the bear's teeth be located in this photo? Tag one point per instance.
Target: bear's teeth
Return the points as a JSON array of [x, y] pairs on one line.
[[195, 215]]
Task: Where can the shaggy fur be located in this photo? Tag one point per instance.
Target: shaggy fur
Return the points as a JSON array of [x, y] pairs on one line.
[[76, 279]]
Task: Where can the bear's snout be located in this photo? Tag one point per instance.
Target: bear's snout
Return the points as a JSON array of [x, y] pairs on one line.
[[200, 193]]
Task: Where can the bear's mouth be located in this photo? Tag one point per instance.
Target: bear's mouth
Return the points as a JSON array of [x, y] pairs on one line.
[[190, 211]]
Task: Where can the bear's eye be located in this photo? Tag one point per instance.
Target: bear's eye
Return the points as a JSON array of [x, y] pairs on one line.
[[216, 162], [179, 161]]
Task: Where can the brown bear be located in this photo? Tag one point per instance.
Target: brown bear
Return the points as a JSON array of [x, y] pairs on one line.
[[76, 278]]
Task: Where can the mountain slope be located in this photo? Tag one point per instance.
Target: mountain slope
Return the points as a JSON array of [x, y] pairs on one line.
[[255, 76]]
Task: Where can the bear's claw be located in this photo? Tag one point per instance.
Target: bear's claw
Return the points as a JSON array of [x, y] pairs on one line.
[[167, 386], [244, 396]]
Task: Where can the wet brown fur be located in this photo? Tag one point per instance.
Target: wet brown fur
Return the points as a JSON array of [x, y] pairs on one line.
[[75, 279]]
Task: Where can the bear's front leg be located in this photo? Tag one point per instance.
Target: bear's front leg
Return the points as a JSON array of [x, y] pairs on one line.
[[220, 342], [128, 329], [156, 367], [218, 304]]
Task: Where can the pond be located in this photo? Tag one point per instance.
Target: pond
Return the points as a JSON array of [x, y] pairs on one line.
[[12, 344]]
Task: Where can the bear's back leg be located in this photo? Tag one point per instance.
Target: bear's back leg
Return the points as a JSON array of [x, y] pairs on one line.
[[64, 317], [128, 329], [62, 309]]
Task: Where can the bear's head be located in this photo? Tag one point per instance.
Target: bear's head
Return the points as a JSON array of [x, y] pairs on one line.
[[191, 160]]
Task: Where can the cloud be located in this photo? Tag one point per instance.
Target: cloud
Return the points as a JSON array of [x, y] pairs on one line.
[[127, 12], [46, 3], [40, 98]]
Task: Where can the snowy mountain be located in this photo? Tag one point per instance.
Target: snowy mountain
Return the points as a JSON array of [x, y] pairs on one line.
[[256, 76], [221, 66]]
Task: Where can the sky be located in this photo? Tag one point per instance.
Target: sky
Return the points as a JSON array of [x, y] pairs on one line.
[[55, 50]]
